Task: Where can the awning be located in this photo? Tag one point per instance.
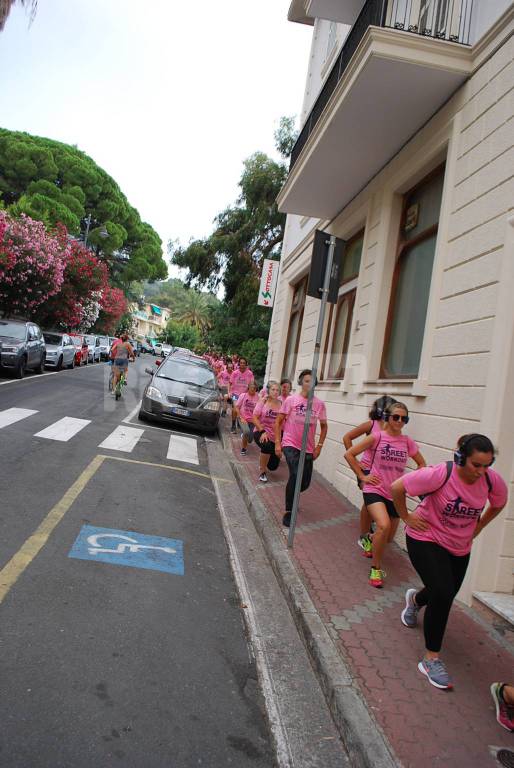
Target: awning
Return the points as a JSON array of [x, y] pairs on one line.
[[155, 309]]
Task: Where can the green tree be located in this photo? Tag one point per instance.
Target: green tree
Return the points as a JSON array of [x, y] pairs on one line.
[[55, 182], [256, 352], [181, 335], [195, 310]]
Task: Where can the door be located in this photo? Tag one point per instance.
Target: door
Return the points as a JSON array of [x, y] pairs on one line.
[[32, 346], [68, 350]]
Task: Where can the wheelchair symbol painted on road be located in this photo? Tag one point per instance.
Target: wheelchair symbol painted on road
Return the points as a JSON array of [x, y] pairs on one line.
[[136, 550]]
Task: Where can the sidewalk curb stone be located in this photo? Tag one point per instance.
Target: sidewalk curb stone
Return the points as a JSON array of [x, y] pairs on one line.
[[365, 742]]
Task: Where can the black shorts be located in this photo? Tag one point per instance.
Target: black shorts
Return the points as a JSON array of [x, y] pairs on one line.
[[375, 498], [366, 472], [268, 446]]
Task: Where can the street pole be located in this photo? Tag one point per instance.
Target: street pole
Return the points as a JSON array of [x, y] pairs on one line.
[[315, 359]]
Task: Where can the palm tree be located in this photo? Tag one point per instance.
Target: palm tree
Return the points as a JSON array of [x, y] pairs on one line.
[[5, 7], [194, 310]]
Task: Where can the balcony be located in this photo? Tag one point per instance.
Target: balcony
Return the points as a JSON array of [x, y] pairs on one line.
[[306, 11], [401, 61]]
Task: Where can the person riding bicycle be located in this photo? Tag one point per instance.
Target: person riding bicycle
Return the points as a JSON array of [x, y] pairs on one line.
[[120, 354]]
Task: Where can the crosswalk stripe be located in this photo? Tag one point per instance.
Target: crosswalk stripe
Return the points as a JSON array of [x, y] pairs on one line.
[[122, 439], [183, 448], [64, 429], [12, 415]]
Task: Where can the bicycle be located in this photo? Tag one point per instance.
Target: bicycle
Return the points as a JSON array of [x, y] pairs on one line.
[[119, 385]]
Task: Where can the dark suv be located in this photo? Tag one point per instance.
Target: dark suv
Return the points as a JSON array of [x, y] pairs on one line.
[[22, 346]]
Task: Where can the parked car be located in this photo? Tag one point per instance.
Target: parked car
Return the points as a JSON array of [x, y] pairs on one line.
[[136, 346], [60, 350], [104, 345], [158, 348], [93, 343], [147, 347], [182, 392], [166, 349], [81, 349], [22, 346]]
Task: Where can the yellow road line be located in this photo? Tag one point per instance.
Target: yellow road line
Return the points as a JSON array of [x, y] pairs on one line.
[[168, 466], [11, 572]]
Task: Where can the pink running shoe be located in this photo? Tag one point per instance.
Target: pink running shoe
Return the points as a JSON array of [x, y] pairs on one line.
[[504, 711]]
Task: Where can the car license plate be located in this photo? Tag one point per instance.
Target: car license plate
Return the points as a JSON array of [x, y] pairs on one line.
[[181, 411]]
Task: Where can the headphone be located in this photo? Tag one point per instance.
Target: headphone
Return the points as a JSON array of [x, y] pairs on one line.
[[462, 454]]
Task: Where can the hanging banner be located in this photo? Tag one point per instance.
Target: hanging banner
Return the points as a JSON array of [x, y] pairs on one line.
[[268, 284]]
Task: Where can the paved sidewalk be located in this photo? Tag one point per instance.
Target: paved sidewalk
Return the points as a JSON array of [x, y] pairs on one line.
[[424, 726]]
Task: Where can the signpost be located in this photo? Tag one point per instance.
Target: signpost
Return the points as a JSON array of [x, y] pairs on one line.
[[268, 284], [326, 265]]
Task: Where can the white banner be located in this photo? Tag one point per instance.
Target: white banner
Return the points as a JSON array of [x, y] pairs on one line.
[[268, 284]]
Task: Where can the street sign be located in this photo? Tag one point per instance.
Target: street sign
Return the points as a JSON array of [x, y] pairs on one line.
[[137, 550], [319, 265], [268, 284]]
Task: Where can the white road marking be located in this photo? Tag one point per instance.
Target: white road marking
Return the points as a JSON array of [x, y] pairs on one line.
[[132, 413], [122, 439], [64, 429], [182, 448], [12, 415]]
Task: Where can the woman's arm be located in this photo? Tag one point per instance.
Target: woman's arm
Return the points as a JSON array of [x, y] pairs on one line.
[[486, 518], [353, 434], [399, 495], [278, 434], [420, 461], [353, 452]]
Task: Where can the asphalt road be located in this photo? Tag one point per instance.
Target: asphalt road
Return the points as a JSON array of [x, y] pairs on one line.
[[102, 661]]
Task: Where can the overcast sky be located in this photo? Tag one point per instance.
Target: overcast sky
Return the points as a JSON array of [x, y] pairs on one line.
[[168, 96]]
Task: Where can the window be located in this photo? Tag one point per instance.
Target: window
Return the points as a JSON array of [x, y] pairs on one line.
[[295, 329], [412, 276], [340, 316]]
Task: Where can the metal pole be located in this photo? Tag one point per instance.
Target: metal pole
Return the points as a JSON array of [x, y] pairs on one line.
[[315, 359], [88, 224]]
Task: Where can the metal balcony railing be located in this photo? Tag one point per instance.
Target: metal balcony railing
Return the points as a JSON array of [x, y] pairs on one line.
[[440, 19]]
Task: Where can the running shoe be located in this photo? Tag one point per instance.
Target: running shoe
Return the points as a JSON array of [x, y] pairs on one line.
[[366, 545], [436, 672], [410, 612], [376, 577], [286, 520], [243, 452], [263, 478], [504, 711], [233, 430]]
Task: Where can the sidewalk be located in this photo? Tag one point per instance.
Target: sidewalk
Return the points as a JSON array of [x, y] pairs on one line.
[[423, 726]]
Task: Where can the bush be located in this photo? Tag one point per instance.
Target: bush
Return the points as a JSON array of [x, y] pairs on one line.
[[256, 351]]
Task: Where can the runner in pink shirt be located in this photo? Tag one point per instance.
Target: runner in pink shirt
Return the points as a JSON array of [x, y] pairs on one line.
[[440, 535], [391, 450], [223, 378], [286, 388], [239, 380], [292, 419], [244, 412], [264, 417], [374, 425]]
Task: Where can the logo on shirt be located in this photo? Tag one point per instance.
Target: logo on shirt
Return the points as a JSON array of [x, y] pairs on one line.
[[300, 409], [393, 454], [455, 510]]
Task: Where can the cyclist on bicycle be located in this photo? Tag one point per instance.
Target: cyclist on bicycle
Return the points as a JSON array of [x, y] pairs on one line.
[[120, 354]]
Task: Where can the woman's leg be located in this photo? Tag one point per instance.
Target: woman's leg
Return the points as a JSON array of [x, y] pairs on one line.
[[382, 520], [365, 521], [394, 527], [263, 462], [442, 574]]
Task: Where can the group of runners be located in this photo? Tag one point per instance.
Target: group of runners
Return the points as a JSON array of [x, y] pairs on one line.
[[455, 500]]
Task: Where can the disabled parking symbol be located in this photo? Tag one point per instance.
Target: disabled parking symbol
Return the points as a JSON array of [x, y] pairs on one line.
[[137, 550]]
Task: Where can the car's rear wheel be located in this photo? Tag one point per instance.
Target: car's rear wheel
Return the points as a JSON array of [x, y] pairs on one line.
[[71, 366], [21, 368], [142, 416], [41, 367], [59, 364]]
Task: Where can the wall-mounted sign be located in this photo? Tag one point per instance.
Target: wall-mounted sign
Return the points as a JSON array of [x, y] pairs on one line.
[[411, 217], [268, 284]]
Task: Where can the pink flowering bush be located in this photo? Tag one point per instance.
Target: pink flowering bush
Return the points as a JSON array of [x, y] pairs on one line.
[[32, 263]]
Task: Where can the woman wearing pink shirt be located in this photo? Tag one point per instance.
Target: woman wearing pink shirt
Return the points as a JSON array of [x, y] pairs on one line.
[[440, 534], [244, 412], [223, 377], [286, 388], [291, 420], [239, 380], [390, 452], [264, 418]]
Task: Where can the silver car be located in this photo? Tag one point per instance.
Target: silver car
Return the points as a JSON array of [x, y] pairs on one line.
[[60, 350], [93, 343], [104, 344]]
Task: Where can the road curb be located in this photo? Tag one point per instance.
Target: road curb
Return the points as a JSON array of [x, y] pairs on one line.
[[364, 740]]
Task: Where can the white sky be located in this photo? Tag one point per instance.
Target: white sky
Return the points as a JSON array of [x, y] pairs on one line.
[[168, 96]]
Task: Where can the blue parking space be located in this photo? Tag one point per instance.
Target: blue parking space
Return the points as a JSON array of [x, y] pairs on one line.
[[136, 550]]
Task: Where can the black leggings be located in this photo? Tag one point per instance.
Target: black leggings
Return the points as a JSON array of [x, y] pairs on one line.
[[293, 457], [442, 574]]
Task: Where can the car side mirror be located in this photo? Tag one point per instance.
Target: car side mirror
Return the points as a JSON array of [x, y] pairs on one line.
[[149, 370]]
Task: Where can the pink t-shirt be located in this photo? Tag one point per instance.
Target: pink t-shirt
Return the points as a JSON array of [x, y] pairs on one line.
[[246, 404], [453, 508], [223, 378], [366, 457], [263, 394], [239, 381], [388, 460], [294, 407], [267, 417]]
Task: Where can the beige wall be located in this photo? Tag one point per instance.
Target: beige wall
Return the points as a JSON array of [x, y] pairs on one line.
[[466, 377]]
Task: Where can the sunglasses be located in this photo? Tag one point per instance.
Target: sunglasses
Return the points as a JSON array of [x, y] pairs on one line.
[[397, 417]]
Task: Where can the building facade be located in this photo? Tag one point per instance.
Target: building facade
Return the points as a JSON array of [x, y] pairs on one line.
[[150, 320], [406, 152]]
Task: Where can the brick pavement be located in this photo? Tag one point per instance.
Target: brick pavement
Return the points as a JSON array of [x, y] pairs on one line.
[[425, 726]]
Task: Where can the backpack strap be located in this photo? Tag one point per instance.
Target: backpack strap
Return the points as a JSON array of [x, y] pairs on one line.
[[375, 452], [449, 467]]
